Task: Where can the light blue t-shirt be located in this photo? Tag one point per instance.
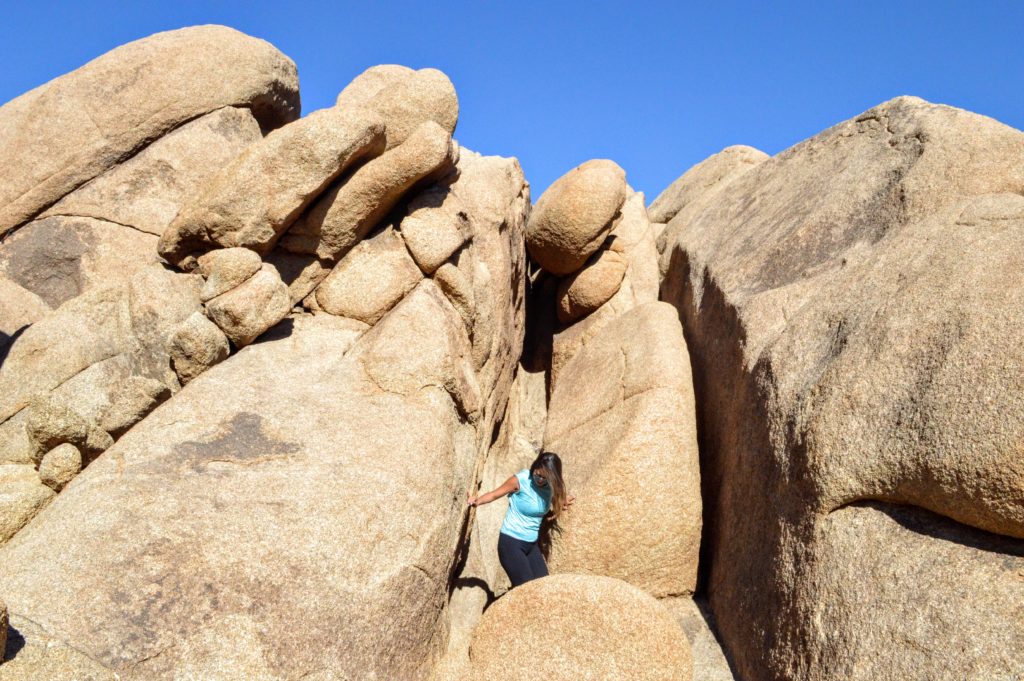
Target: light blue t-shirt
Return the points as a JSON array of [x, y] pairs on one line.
[[526, 508]]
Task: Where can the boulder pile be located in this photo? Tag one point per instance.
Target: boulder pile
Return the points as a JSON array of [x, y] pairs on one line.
[[252, 364]]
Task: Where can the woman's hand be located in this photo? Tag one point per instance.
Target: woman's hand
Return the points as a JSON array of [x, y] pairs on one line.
[[511, 485], [569, 498]]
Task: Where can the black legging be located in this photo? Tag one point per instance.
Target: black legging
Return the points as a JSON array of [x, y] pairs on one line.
[[521, 560]]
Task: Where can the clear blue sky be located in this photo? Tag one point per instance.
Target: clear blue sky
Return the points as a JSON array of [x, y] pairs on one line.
[[655, 86]]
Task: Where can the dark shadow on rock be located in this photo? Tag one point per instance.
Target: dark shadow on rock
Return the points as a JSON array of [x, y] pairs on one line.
[[922, 521], [15, 642], [475, 583], [7, 342], [709, 619], [283, 329], [541, 322]]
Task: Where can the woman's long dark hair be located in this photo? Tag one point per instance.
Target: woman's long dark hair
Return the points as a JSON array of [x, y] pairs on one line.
[[552, 466]]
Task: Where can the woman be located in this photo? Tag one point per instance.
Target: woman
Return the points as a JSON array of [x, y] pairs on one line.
[[533, 494]]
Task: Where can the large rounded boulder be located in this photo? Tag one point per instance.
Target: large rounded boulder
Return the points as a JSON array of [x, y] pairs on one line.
[[574, 216], [579, 627]]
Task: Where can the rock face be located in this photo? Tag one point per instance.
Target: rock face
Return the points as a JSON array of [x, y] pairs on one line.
[[135, 398], [195, 346], [632, 239], [370, 280], [59, 258], [709, 661], [577, 627], [622, 418], [60, 466], [257, 466], [62, 134], [591, 287], [115, 330], [699, 183], [226, 268], [697, 189], [850, 308], [252, 307], [19, 308], [22, 495], [3, 626], [414, 399], [66, 373], [106, 231], [574, 215], [147, 191]]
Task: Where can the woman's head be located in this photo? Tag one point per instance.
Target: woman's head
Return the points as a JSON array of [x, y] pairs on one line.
[[546, 471]]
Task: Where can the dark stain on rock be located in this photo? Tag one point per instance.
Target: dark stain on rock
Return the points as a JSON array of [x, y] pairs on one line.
[[45, 257], [242, 441]]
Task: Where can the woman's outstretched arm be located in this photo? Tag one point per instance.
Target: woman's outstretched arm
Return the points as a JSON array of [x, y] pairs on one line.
[[509, 486]]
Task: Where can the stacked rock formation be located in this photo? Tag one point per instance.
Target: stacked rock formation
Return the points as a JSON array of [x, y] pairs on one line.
[[382, 393], [621, 416], [621, 412], [251, 364]]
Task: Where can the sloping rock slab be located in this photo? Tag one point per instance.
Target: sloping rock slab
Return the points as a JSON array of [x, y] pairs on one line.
[[270, 518], [66, 132]]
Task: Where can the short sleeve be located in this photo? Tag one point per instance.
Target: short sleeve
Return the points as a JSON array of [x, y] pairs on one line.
[[523, 477]]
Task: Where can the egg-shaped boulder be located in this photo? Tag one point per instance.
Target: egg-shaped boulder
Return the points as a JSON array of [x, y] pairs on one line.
[[574, 216]]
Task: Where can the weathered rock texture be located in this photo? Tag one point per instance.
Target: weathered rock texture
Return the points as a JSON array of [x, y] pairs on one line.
[[253, 200], [297, 510], [106, 231], [59, 258], [22, 495], [591, 287], [404, 98], [693, 192], [622, 419], [253, 463], [579, 627], [709, 660], [60, 465], [62, 134], [147, 190], [119, 330], [64, 375], [699, 183], [575, 214], [632, 239], [353, 207], [370, 280], [136, 397], [195, 346], [851, 308], [249, 309], [19, 308], [3, 626]]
